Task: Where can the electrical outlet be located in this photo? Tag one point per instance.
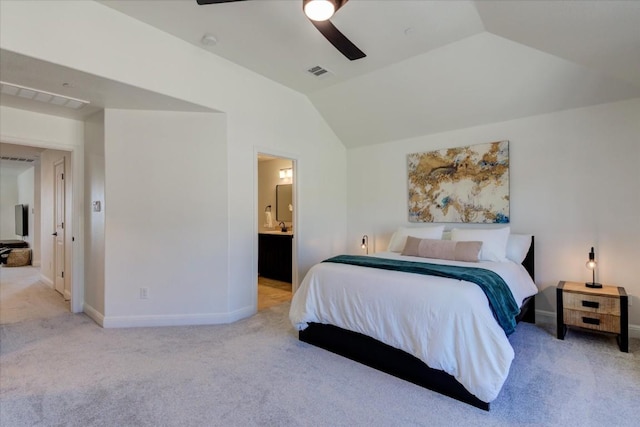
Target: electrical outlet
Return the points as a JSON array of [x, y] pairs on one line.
[[144, 293]]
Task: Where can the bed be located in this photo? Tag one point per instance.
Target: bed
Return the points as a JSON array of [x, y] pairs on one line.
[[396, 322]]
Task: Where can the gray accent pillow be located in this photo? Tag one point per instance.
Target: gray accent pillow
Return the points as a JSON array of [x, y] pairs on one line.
[[442, 249]]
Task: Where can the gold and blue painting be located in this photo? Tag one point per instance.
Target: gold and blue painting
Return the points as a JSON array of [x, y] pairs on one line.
[[464, 184]]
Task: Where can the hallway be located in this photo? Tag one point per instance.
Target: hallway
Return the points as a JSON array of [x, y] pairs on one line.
[[24, 297]]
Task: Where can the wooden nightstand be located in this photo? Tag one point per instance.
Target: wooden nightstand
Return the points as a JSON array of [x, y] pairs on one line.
[[601, 309]]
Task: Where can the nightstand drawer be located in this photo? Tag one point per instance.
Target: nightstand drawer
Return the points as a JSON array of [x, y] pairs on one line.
[[596, 321], [592, 303]]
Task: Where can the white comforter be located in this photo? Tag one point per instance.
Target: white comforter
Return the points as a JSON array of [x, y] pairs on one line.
[[446, 323]]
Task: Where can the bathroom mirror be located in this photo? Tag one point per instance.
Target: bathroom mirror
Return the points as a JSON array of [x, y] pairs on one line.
[[284, 203]]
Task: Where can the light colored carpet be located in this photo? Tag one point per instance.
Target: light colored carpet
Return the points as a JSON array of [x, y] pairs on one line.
[[62, 369]]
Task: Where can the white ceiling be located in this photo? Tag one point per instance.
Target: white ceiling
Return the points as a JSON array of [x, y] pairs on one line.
[[431, 66]]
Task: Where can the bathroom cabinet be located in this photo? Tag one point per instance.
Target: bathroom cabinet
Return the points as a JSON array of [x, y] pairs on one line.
[[274, 256]]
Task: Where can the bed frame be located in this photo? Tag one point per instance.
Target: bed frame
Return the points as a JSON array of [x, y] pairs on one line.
[[383, 357]]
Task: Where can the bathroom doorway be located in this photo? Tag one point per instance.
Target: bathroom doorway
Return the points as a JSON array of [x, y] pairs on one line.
[[276, 223]]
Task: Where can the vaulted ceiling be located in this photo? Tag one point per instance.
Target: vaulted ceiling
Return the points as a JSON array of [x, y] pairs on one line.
[[431, 66]]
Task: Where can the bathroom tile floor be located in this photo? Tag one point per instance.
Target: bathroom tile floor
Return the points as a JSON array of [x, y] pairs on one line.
[[272, 292]]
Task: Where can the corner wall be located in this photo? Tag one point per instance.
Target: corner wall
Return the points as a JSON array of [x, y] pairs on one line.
[[165, 216], [94, 229]]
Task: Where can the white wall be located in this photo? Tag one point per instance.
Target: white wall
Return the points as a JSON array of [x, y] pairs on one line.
[[575, 183], [26, 185], [8, 201], [94, 229], [166, 215], [36, 246], [41, 130]]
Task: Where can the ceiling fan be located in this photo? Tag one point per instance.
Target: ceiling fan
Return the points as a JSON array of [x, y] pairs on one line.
[[319, 12]]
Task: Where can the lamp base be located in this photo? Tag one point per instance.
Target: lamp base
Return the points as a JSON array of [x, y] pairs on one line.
[[593, 285]]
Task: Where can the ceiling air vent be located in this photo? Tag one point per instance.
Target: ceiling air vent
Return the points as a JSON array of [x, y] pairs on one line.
[[319, 71], [40, 95]]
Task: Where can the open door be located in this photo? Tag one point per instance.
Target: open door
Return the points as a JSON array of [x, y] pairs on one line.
[[58, 218]]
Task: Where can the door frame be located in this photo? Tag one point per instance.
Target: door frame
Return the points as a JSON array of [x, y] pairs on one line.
[[295, 181], [74, 241]]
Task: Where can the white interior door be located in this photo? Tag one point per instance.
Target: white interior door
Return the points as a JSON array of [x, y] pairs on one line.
[[58, 218]]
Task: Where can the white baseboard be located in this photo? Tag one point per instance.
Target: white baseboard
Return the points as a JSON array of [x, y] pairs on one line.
[[174, 319], [46, 280], [94, 314], [550, 317]]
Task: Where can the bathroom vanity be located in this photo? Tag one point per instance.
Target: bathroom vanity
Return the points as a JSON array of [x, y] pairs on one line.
[[274, 255]]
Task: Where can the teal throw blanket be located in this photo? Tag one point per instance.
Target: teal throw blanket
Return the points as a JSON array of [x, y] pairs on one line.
[[503, 305]]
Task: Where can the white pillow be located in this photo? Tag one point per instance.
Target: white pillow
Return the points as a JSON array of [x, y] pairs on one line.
[[517, 247], [399, 238], [494, 241]]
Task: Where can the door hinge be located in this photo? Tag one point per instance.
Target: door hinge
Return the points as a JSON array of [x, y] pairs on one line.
[[61, 176], [63, 274], [62, 225]]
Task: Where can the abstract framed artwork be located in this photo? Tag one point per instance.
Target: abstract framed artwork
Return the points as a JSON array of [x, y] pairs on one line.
[[464, 184]]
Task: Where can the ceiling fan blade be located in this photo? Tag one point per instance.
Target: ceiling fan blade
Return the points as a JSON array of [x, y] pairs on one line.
[[203, 2], [337, 39]]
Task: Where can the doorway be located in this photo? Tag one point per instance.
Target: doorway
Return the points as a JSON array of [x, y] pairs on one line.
[[50, 212], [277, 228]]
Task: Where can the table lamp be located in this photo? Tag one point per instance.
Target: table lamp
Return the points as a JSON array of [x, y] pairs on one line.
[[591, 265], [365, 243]]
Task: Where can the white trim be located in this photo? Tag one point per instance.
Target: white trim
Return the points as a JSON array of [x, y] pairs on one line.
[[172, 319], [46, 280], [239, 314], [550, 317], [94, 314]]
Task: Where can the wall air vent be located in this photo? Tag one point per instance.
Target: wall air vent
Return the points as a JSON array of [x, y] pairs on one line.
[[17, 159], [40, 95], [319, 71]]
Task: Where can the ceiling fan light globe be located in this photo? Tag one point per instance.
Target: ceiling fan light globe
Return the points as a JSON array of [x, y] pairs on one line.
[[319, 10]]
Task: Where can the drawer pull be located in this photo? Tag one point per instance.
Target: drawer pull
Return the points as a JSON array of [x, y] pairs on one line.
[[592, 304], [590, 321]]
